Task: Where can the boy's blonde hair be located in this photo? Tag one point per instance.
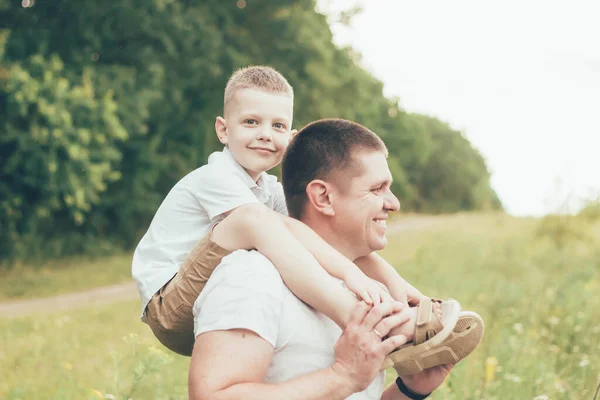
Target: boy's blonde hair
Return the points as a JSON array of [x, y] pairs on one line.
[[259, 77]]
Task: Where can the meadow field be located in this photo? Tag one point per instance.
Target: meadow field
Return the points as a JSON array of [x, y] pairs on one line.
[[535, 282]]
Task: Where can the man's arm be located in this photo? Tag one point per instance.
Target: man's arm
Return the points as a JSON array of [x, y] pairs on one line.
[[424, 382], [392, 393], [376, 267], [232, 364]]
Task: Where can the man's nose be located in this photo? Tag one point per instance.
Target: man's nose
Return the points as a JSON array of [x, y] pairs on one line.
[[391, 202]]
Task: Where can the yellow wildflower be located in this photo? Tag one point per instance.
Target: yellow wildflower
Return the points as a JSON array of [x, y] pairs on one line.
[[490, 369]]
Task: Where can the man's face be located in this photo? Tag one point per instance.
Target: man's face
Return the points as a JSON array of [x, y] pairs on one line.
[[258, 129], [362, 203]]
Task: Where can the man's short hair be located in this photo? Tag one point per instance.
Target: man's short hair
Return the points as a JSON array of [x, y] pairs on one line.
[[321, 150], [259, 77]]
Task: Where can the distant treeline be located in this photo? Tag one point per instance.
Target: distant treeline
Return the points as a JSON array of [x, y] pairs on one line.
[[104, 105]]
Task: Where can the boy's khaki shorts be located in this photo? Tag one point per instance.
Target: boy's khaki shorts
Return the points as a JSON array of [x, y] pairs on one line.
[[169, 312]]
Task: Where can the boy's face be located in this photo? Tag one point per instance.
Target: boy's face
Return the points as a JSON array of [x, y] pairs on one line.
[[257, 128]]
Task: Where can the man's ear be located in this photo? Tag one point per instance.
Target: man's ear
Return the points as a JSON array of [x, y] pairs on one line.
[[221, 129], [294, 133], [319, 196]]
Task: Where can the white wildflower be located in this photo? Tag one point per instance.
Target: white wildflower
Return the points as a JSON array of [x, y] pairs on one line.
[[518, 327], [513, 378], [584, 363]]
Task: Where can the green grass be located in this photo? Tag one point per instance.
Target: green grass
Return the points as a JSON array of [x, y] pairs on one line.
[[57, 277], [540, 304], [85, 354]]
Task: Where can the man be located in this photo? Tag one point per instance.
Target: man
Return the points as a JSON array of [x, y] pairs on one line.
[[256, 340]]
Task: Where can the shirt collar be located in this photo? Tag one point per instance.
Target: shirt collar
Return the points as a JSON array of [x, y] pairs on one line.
[[224, 159]]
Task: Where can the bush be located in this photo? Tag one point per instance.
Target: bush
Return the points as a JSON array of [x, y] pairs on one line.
[[58, 148]]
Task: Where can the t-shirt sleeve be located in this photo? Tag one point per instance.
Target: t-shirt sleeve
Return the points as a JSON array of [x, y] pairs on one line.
[[221, 191], [279, 204], [244, 292]]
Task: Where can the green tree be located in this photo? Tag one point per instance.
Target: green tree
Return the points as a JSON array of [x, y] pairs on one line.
[[148, 76], [59, 152]]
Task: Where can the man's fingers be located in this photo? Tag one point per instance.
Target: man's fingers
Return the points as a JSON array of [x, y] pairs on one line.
[[397, 306], [391, 343], [388, 323], [448, 367], [379, 311]]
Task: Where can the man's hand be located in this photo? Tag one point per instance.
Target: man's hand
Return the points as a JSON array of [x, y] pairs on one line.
[[365, 288], [359, 353], [424, 382]]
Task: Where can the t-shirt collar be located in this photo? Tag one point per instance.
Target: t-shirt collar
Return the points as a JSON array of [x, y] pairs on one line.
[[226, 160]]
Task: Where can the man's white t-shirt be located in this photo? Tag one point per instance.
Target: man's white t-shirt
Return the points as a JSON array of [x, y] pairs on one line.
[[246, 292], [192, 207]]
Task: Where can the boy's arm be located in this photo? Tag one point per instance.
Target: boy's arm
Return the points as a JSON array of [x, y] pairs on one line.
[[302, 258], [241, 222], [379, 269], [333, 261]]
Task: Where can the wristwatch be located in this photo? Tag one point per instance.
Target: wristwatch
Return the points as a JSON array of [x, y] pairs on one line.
[[409, 393]]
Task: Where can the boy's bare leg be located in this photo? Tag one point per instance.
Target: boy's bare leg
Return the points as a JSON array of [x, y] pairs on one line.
[[379, 269], [244, 228], [256, 227], [382, 271], [408, 329]]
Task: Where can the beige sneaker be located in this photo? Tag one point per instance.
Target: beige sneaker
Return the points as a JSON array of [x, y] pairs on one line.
[[462, 340], [430, 332]]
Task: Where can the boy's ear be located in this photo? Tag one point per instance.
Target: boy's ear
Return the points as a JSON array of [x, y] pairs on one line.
[[319, 196], [221, 129]]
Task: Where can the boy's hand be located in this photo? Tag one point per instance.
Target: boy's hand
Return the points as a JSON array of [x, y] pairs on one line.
[[365, 288]]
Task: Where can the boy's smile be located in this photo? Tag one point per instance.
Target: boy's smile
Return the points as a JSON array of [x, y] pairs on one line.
[[257, 129]]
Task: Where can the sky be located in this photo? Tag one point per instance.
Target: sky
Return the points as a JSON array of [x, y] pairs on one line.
[[521, 79]]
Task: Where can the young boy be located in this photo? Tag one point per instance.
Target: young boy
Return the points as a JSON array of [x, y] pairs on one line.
[[232, 203]]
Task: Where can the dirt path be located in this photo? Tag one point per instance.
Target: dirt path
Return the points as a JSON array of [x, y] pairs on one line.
[[412, 223], [70, 301], [127, 291]]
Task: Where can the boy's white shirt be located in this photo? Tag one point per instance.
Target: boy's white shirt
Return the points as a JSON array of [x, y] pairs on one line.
[[190, 210]]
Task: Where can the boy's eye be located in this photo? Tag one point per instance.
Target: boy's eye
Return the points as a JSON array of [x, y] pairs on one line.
[[277, 125], [251, 121]]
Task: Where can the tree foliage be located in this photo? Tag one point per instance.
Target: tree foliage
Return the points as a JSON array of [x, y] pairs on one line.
[[104, 106]]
